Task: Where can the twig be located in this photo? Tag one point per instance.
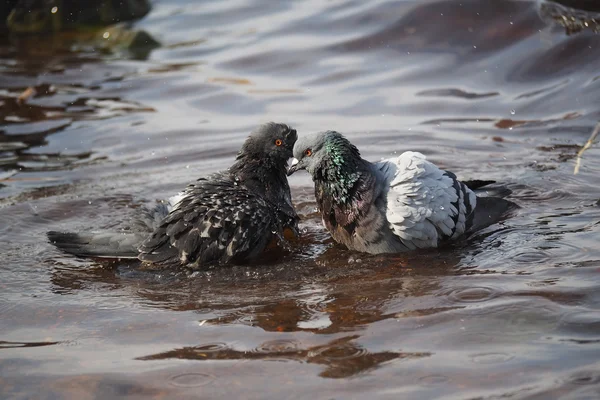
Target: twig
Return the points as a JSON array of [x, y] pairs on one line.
[[587, 145]]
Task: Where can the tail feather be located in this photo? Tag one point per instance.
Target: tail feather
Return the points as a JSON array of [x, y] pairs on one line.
[[475, 184], [102, 245], [488, 188], [490, 210]]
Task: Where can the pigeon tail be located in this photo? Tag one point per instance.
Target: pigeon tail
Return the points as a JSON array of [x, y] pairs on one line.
[[101, 245], [490, 210], [475, 184]]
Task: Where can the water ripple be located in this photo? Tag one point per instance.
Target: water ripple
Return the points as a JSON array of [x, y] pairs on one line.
[[584, 378], [491, 358], [473, 294], [18, 345], [278, 346], [190, 380]]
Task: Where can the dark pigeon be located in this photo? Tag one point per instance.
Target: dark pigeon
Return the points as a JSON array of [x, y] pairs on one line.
[[229, 216], [393, 205]]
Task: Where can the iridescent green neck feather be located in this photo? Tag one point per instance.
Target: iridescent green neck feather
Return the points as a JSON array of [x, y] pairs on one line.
[[341, 168]]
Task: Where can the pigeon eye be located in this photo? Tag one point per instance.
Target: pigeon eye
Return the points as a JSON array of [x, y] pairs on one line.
[[308, 152], [278, 142]]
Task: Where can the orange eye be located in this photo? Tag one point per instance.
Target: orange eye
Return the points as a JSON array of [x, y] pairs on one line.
[[308, 152], [278, 142]]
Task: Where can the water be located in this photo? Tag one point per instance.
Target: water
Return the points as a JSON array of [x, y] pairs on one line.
[[486, 89]]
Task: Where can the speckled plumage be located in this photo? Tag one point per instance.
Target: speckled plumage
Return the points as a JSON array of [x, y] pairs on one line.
[[390, 206], [229, 216]]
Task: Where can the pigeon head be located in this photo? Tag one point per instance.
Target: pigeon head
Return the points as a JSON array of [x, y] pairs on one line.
[[271, 141], [323, 150]]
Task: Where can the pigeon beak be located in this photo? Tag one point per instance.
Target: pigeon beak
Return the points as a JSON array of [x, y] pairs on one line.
[[295, 231], [294, 167]]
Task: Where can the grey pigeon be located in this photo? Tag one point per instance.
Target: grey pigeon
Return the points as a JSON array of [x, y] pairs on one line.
[[229, 216], [390, 206]]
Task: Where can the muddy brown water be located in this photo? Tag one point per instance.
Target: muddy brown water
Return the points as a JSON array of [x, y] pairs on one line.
[[487, 89]]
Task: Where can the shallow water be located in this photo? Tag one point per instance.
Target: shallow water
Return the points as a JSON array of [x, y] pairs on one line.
[[489, 90]]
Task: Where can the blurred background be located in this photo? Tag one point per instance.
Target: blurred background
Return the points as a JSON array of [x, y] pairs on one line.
[[108, 105]]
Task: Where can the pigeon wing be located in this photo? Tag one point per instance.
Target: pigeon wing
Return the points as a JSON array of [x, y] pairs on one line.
[[425, 204], [216, 220]]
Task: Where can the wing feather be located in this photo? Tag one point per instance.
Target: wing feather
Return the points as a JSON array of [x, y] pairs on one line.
[[213, 221], [425, 204]]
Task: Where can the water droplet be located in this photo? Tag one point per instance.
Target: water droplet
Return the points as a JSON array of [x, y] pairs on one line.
[[187, 167], [153, 153], [106, 35], [54, 10], [512, 112], [442, 208], [474, 47], [89, 202]]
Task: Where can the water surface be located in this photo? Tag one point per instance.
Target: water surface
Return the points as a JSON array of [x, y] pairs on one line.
[[489, 90]]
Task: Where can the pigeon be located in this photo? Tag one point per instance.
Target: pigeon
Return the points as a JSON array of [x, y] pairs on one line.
[[227, 217], [394, 205]]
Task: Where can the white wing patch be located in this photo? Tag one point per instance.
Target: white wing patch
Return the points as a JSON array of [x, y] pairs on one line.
[[424, 203]]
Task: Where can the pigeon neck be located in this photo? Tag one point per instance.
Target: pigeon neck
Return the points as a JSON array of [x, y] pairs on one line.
[[341, 175], [345, 195], [262, 175]]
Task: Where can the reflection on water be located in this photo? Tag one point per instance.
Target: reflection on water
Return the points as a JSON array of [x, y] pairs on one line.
[[342, 358], [503, 90]]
